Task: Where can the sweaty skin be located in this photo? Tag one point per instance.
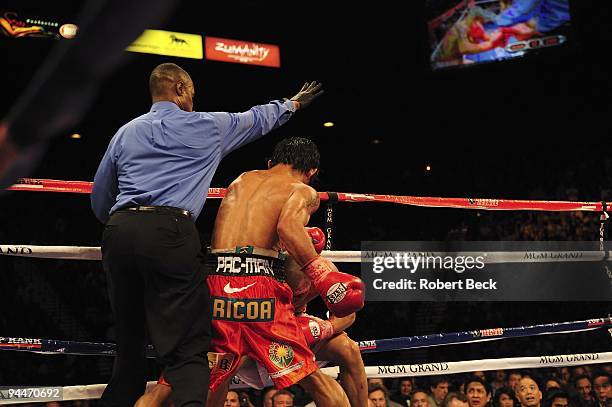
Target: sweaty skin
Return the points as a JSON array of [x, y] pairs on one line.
[[269, 209]]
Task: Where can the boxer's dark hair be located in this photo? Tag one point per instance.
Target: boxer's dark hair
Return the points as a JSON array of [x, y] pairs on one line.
[[302, 154]]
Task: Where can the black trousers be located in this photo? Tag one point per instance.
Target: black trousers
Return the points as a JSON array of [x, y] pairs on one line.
[[153, 263]]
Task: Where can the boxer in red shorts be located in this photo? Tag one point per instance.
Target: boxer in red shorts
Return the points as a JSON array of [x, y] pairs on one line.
[[267, 210], [262, 213]]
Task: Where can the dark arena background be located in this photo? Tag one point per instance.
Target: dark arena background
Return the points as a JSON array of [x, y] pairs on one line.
[[536, 127]]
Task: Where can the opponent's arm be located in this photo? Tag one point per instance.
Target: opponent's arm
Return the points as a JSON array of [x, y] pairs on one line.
[[342, 324], [316, 329]]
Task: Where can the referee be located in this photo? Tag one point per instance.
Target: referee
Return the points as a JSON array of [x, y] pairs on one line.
[[148, 190]]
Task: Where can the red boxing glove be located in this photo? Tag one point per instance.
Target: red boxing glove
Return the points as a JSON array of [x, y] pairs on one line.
[[477, 32], [342, 293], [318, 238], [314, 329], [500, 39]]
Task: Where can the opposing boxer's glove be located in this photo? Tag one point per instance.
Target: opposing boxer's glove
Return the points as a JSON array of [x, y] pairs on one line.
[[314, 329], [477, 33], [318, 238], [342, 293], [500, 39], [308, 93]]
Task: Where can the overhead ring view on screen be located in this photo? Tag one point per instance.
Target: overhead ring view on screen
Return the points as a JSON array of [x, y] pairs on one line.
[[470, 32]]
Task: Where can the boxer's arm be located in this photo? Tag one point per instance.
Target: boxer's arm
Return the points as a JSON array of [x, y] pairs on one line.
[[293, 217], [342, 324], [303, 292]]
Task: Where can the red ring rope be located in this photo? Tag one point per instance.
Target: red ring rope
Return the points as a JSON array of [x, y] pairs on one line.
[[84, 187]]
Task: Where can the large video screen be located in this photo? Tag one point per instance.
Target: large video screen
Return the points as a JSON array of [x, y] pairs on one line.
[[468, 32]]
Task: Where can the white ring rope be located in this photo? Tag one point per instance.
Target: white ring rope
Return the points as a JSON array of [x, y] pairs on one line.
[[339, 256], [94, 391]]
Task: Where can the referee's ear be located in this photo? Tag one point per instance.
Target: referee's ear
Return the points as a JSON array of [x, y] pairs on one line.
[[269, 164]]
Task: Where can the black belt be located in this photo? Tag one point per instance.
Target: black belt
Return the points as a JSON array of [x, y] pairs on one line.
[[160, 209]]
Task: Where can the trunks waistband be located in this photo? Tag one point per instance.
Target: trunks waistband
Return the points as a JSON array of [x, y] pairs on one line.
[[244, 264], [275, 254]]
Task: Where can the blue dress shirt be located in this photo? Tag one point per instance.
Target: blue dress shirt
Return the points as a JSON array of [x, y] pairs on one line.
[[167, 157]]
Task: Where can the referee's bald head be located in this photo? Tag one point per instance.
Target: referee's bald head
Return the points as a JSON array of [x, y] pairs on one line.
[[164, 78]]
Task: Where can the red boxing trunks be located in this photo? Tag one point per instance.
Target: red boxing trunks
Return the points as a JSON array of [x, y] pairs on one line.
[[252, 315]]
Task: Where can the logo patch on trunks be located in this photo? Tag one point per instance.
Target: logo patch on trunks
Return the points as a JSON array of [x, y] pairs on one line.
[[280, 354], [243, 309], [228, 289]]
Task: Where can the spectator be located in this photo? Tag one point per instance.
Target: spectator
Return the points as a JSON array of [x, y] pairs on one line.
[[377, 394], [505, 397], [499, 380], [552, 383], [268, 393], [231, 399], [478, 392], [244, 399], [402, 394], [564, 375], [583, 386], [439, 389], [455, 399], [528, 392], [480, 373], [578, 371], [557, 398], [282, 398], [603, 389], [513, 379], [419, 398]]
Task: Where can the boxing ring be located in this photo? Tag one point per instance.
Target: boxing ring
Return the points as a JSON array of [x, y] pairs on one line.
[[60, 347]]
